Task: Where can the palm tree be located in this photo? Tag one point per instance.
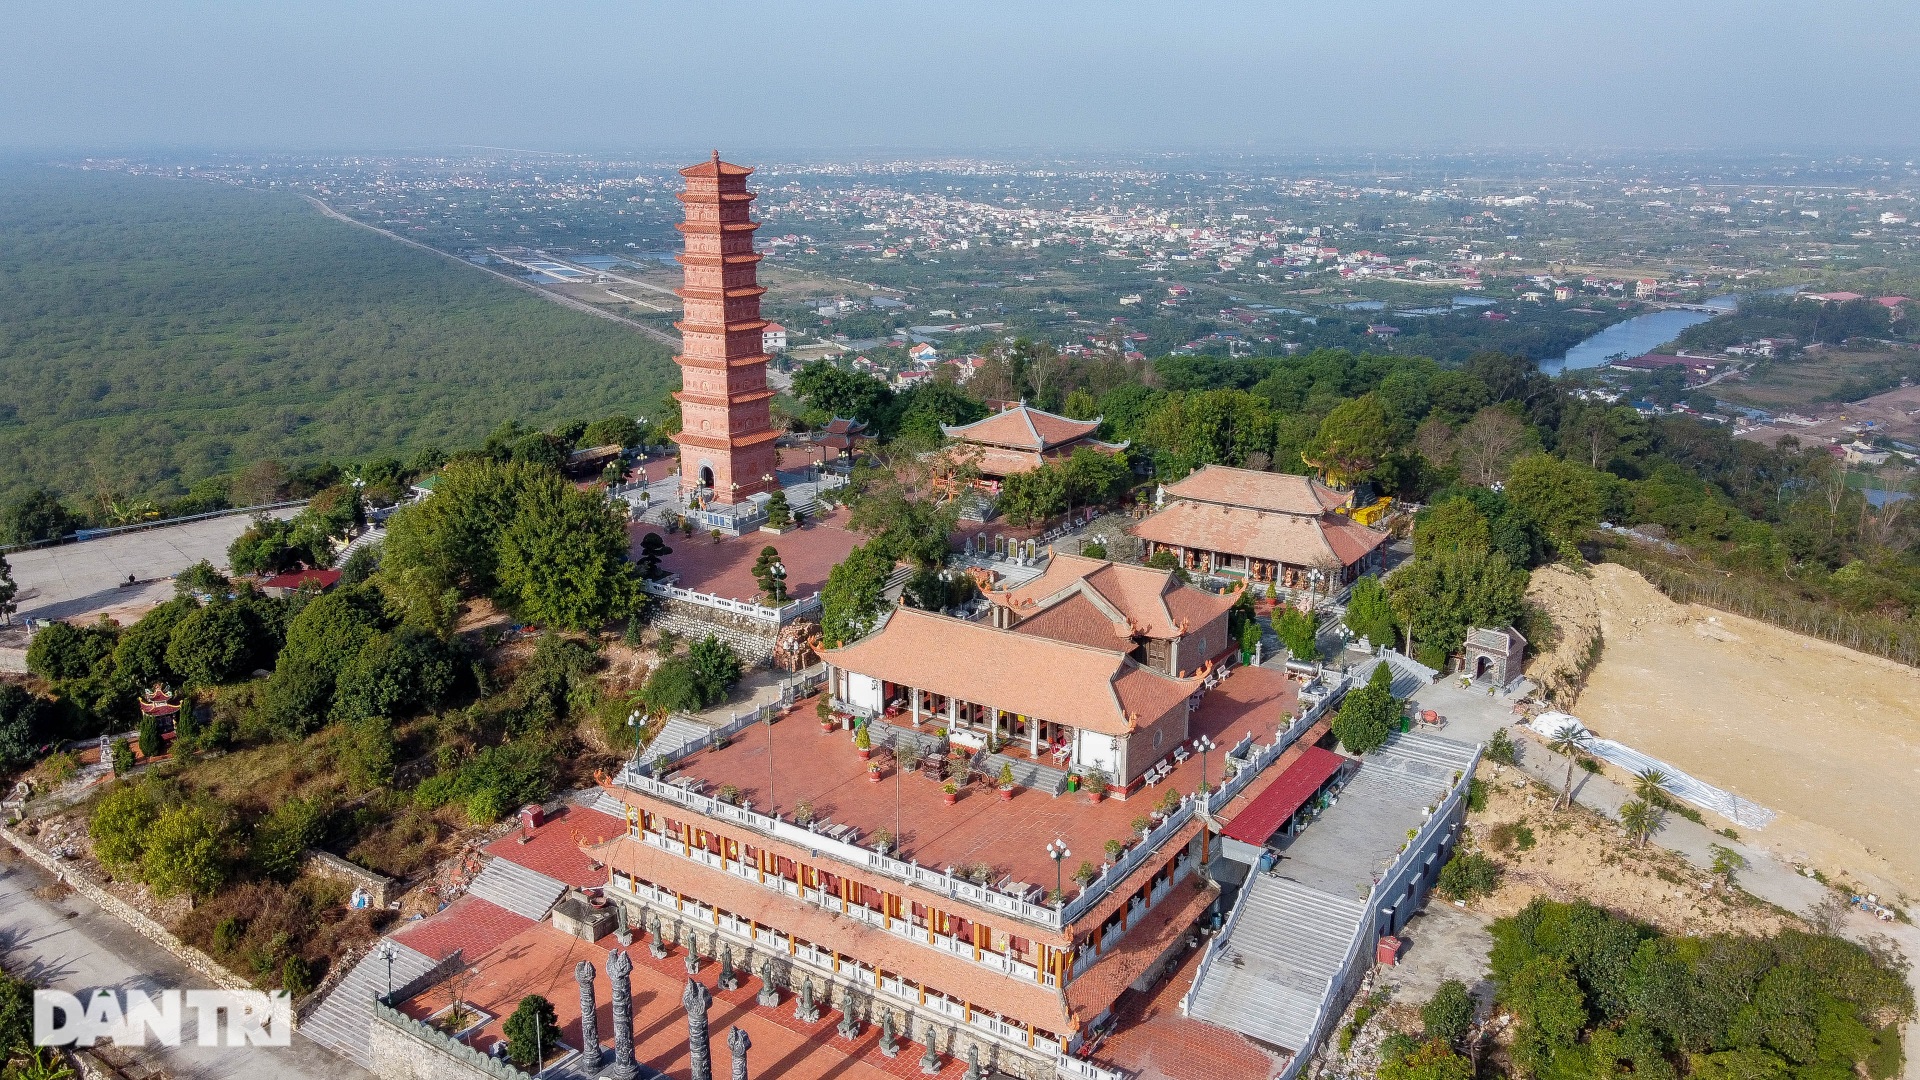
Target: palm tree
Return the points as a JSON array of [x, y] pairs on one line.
[[1568, 740], [1649, 784], [1640, 818]]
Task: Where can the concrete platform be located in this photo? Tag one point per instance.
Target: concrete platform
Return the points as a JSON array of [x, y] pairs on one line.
[[78, 580]]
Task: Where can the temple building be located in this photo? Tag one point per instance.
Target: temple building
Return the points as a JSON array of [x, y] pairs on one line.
[[1096, 708], [1262, 527], [1148, 614], [1021, 439], [727, 436]]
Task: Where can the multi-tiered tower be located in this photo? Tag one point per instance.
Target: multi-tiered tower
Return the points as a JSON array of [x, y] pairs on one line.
[[726, 436]]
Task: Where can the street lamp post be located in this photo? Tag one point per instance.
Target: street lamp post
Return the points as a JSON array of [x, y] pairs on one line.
[[1200, 746], [1057, 851], [387, 954]]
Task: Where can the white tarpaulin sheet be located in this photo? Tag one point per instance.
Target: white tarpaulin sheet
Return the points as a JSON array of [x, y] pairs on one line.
[[1678, 784]]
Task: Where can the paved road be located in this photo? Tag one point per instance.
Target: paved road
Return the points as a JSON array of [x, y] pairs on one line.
[[655, 333], [1472, 716], [69, 580], [72, 945]]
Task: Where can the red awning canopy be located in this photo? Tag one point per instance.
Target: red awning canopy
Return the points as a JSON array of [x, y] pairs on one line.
[[1271, 809]]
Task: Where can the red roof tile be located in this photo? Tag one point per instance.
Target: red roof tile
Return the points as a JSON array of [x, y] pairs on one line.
[[1294, 539], [1287, 794], [1281, 492], [974, 662], [1024, 427]]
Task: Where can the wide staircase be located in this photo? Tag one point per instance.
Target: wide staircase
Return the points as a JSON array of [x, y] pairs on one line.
[[676, 733], [341, 1022], [1268, 976]]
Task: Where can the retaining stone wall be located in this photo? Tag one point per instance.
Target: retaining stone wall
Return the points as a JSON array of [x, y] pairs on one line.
[[120, 909], [406, 1049]]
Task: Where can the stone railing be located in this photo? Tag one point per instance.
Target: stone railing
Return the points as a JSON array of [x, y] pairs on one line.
[[774, 617], [397, 1040], [942, 882], [1339, 991]]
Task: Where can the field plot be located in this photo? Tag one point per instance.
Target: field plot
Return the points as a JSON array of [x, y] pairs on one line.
[[1827, 736], [155, 331]]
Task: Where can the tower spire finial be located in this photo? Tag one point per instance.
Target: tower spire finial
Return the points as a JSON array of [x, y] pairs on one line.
[[716, 157]]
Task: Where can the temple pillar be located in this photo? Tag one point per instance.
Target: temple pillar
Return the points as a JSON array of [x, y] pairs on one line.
[[589, 1018], [738, 1044], [618, 968], [697, 999]]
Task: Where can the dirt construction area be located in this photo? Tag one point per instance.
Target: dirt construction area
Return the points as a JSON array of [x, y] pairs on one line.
[[1828, 737]]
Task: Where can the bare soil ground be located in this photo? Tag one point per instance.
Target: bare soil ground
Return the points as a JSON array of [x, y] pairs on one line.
[[1580, 855], [1561, 668], [1828, 737]]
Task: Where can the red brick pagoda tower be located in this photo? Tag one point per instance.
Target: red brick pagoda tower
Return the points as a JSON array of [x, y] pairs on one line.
[[726, 436]]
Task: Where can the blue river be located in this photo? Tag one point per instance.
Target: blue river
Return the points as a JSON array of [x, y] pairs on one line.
[[1634, 337]]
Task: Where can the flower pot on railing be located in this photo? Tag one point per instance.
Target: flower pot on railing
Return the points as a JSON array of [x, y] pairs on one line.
[[1006, 793]]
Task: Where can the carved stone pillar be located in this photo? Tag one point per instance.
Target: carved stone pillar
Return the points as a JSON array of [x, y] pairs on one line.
[[589, 1018], [619, 966], [738, 1044], [697, 999]]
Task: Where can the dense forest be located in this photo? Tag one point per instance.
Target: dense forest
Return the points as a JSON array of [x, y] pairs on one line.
[[156, 332], [1515, 469]]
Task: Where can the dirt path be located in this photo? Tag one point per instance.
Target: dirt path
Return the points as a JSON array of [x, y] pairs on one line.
[[1827, 736]]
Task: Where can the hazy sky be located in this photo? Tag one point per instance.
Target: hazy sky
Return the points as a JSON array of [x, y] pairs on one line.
[[832, 76]]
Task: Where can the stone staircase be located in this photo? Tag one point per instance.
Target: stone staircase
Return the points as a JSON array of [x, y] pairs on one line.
[[341, 1021], [1028, 773], [527, 893], [1268, 976], [365, 539], [677, 732]]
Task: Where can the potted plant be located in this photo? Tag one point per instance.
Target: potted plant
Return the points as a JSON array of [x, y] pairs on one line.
[[1073, 782], [874, 773], [1115, 849], [803, 812], [1006, 782], [1085, 874], [1095, 785], [949, 793], [907, 753], [729, 794], [863, 743], [824, 711], [1142, 826]]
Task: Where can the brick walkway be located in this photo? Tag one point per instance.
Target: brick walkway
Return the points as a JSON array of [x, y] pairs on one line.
[[725, 568]]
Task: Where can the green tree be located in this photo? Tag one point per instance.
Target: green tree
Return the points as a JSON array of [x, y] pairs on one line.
[[34, 516], [673, 686], [24, 721], [201, 579], [186, 852], [779, 512], [854, 596], [621, 431], [281, 839], [563, 561], [716, 667], [1562, 496], [1641, 819], [1433, 1060], [1367, 715], [122, 754], [152, 743], [8, 590], [1441, 595], [653, 548], [1569, 740], [120, 822], [1448, 1015], [1354, 440], [1298, 631], [1081, 405], [1454, 525], [1167, 560], [833, 391], [322, 640], [1370, 612], [140, 656], [63, 652], [452, 537], [533, 1031], [368, 754], [771, 575], [268, 547], [1208, 427], [212, 645]]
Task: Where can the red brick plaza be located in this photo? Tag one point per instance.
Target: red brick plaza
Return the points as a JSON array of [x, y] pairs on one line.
[[725, 568]]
